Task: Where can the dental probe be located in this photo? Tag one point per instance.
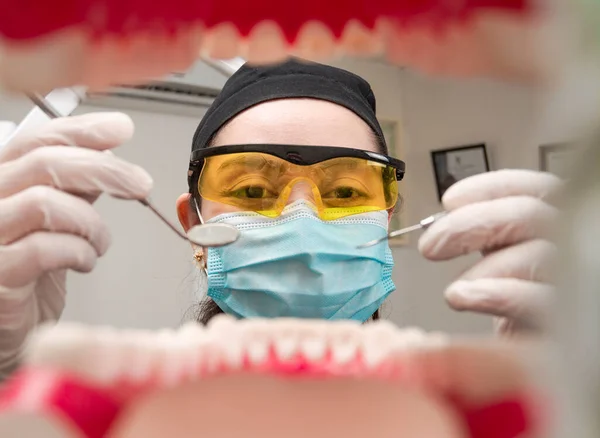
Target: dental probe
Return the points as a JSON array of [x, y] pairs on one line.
[[206, 235], [424, 224]]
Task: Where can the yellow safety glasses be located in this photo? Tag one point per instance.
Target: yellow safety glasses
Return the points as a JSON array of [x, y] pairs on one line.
[[264, 178]]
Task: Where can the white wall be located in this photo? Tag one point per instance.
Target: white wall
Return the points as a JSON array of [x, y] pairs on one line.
[[148, 278]]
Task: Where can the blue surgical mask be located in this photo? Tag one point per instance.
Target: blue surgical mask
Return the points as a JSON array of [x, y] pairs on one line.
[[297, 265]]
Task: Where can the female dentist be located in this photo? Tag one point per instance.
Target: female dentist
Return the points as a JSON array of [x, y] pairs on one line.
[[47, 188]]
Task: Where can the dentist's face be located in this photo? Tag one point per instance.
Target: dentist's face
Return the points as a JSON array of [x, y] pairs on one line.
[[308, 122]]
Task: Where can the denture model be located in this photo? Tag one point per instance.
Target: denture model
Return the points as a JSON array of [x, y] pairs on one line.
[[264, 378], [44, 45]]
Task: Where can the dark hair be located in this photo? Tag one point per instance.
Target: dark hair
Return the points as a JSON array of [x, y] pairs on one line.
[[207, 308]]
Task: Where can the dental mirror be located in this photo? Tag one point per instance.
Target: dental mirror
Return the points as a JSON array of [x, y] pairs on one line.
[[213, 235]]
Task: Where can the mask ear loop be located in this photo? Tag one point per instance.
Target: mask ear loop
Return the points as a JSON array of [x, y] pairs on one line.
[[199, 253], [197, 207]]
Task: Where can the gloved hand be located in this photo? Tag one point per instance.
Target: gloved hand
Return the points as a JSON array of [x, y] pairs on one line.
[[48, 180], [503, 215]]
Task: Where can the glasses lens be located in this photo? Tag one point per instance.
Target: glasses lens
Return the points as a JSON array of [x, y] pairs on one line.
[[265, 184]]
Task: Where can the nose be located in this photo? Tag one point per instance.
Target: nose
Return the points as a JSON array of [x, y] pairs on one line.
[[301, 190]]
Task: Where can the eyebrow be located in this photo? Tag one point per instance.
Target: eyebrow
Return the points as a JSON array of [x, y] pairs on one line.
[[349, 163], [255, 162]]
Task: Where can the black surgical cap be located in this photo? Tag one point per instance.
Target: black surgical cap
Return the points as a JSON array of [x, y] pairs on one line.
[[294, 78]]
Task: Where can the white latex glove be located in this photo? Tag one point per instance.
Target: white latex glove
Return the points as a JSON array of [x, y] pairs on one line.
[[48, 180], [502, 215]]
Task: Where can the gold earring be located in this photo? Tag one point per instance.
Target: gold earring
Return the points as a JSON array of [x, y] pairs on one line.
[[199, 257]]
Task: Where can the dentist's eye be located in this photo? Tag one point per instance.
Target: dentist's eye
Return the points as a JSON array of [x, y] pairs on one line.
[[252, 192], [343, 193]]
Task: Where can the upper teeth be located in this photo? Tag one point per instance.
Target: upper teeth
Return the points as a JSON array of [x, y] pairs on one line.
[[107, 354]]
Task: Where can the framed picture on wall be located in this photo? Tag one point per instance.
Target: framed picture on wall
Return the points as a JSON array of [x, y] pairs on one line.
[[452, 165], [392, 133], [557, 158]]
